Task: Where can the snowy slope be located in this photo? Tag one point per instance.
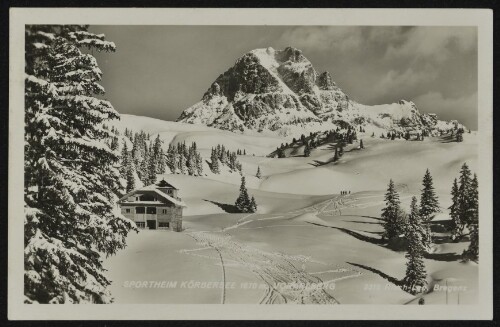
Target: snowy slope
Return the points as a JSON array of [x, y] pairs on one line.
[[381, 159], [279, 91]]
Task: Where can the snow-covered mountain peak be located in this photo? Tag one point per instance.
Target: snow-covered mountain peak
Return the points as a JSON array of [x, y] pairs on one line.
[[279, 91]]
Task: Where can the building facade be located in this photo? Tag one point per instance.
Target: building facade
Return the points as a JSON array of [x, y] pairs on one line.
[[155, 206]]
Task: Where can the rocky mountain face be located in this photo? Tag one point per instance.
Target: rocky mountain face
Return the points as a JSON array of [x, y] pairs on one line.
[[279, 91]]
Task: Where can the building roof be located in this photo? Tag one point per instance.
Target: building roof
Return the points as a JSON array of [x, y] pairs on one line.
[[153, 188], [164, 183]]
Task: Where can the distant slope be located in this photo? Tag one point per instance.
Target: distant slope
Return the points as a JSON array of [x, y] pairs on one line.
[[205, 137], [357, 170]]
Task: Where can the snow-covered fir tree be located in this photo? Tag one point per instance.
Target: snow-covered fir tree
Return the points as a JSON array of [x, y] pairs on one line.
[[253, 204], [472, 252], [456, 225], [429, 206], [224, 158], [341, 150], [72, 176], [281, 153], [181, 159], [459, 208], [361, 145], [336, 155], [415, 277], [183, 165], [214, 166], [258, 174], [243, 202], [464, 191], [199, 163], [125, 156], [394, 223], [307, 150], [130, 175], [114, 141], [151, 168]]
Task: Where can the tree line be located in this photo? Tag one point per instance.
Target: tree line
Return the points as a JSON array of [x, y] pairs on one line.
[[341, 136], [222, 156], [415, 226]]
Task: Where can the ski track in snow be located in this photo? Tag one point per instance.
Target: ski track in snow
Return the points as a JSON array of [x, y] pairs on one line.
[[273, 268]]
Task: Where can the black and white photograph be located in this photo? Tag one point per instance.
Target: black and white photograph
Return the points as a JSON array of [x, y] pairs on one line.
[[260, 164]]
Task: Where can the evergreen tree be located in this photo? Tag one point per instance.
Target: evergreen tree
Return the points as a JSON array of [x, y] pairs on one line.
[[214, 162], [199, 164], [361, 145], [336, 155], [143, 170], [392, 213], [464, 191], [258, 175], [223, 156], [161, 167], [183, 164], [71, 175], [429, 205], [114, 142], [243, 202], [472, 252], [307, 150], [455, 212], [415, 278], [130, 176], [157, 153], [124, 158], [253, 205], [170, 159], [151, 169], [191, 163], [281, 153]]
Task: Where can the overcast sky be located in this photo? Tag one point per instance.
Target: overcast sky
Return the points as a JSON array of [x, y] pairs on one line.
[[158, 71]]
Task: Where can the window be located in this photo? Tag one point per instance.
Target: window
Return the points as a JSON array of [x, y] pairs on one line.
[[127, 210], [151, 210], [136, 198], [163, 225], [140, 224], [140, 210], [147, 197], [164, 211]]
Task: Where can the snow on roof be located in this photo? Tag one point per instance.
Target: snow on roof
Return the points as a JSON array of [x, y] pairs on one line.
[[154, 188]]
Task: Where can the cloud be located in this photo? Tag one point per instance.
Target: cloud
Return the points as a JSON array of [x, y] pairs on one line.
[[343, 38], [401, 82], [463, 108], [433, 43], [394, 42]]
